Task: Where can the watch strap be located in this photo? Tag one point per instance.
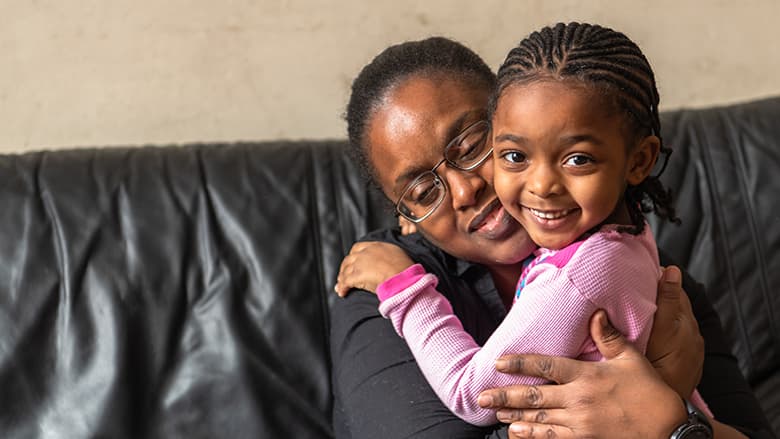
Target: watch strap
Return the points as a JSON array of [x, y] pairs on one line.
[[697, 426]]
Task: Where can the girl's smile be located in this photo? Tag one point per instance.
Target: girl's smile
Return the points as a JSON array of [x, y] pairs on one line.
[[552, 219], [563, 159]]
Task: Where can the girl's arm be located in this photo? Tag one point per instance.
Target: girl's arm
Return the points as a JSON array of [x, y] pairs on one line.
[[368, 264], [550, 317]]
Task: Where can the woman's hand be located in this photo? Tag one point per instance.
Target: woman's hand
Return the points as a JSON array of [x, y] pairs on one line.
[[676, 348], [622, 396], [368, 264]]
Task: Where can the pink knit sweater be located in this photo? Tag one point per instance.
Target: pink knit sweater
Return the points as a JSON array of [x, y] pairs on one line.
[[560, 291]]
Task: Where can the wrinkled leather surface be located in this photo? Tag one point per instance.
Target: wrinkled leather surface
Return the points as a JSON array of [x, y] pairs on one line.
[[725, 172], [183, 291]]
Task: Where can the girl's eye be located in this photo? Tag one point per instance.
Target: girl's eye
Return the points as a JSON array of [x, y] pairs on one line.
[[578, 160], [514, 157]]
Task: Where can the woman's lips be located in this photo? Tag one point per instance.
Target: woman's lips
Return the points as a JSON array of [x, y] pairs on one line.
[[493, 222]]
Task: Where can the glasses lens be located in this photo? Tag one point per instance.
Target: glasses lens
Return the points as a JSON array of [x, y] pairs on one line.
[[470, 148], [421, 197]]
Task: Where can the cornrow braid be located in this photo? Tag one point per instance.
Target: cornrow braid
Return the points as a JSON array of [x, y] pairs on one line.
[[427, 57], [613, 64]]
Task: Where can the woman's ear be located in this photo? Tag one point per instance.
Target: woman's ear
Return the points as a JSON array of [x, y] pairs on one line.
[[642, 158]]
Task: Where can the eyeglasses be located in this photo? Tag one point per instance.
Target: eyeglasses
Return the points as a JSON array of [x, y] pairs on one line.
[[465, 152]]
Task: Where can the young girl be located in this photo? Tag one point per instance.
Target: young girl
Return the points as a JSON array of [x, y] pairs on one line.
[[575, 136]]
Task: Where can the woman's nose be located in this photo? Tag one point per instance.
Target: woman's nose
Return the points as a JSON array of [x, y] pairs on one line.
[[465, 187]]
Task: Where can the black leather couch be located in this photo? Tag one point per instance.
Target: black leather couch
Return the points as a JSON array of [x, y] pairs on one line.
[[184, 291]]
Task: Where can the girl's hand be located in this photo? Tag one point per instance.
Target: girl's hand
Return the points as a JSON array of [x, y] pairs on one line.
[[676, 348], [368, 264], [407, 227]]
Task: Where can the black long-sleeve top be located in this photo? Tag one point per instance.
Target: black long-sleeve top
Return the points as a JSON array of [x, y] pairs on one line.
[[380, 392]]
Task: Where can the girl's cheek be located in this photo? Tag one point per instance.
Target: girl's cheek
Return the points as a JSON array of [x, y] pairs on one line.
[[508, 186]]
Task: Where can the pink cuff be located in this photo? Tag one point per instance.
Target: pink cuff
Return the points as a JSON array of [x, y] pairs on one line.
[[400, 282]]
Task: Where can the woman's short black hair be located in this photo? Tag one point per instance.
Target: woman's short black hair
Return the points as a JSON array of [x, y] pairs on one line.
[[428, 57]]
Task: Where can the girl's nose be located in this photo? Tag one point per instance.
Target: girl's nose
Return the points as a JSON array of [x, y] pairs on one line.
[[542, 181]]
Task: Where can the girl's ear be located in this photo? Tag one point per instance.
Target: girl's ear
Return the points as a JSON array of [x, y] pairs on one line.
[[642, 158]]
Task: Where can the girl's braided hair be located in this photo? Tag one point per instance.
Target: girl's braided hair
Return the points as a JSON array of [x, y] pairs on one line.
[[615, 66]]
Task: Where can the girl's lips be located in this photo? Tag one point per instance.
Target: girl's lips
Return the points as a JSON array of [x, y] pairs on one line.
[[550, 219]]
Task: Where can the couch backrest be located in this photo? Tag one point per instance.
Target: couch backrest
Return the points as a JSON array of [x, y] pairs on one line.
[[183, 291], [172, 292], [725, 172]]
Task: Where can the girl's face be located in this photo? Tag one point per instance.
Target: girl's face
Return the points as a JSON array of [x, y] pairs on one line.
[[562, 160], [407, 135]]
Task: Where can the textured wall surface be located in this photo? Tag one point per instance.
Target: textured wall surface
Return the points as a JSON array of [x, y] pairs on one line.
[[93, 73]]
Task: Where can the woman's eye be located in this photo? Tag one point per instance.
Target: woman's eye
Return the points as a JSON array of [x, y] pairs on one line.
[[514, 157], [578, 160], [424, 194]]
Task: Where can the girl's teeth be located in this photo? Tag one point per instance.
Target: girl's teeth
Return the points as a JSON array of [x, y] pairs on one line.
[[550, 215]]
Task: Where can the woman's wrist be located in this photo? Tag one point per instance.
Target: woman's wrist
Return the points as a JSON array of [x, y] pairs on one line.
[[675, 414]]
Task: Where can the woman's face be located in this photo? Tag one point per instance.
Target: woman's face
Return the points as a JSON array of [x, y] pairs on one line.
[[407, 135]]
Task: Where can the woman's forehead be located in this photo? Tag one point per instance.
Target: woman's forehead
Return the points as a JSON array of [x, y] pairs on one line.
[[408, 132]]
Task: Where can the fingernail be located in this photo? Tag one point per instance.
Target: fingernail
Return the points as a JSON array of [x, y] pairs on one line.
[[671, 276], [605, 321], [502, 364], [504, 416], [516, 428], [485, 400]]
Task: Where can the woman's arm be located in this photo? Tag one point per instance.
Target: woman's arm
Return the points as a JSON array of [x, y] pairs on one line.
[[622, 372], [360, 335], [655, 412], [379, 391], [550, 317]]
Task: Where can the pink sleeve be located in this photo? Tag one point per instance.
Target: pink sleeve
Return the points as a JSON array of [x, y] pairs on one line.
[[550, 317], [619, 273], [401, 281], [455, 366]]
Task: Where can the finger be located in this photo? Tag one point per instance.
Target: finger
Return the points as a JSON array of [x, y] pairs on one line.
[[609, 341], [669, 295], [522, 430], [670, 286], [537, 416], [407, 227], [557, 369], [672, 278], [346, 278], [357, 247], [523, 397], [342, 289]]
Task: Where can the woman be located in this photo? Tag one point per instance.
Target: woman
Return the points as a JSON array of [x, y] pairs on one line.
[[406, 108]]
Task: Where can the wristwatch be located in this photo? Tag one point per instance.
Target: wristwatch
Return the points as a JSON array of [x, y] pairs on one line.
[[696, 427]]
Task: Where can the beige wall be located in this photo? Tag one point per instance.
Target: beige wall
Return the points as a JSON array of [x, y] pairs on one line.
[[102, 72]]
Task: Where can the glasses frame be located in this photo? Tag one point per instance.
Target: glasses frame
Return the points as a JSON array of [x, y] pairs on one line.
[[437, 179]]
